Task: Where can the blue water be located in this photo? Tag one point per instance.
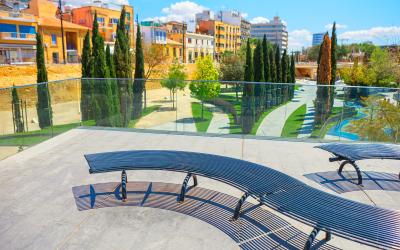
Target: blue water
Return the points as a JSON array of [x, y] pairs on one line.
[[339, 129]]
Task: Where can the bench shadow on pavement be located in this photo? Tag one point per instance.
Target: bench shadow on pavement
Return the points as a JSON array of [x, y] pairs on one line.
[[347, 181], [257, 228]]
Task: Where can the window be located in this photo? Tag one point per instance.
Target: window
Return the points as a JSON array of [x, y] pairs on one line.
[[113, 20], [128, 15], [27, 29], [53, 39], [100, 19], [174, 52], [189, 40], [8, 27], [196, 54]]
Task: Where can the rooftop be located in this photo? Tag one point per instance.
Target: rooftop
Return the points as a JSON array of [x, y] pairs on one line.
[[46, 199]]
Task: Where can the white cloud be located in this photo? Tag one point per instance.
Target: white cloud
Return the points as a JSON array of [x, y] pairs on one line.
[[179, 11], [329, 26], [244, 14], [259, 19], [299, 39], [379, 35]]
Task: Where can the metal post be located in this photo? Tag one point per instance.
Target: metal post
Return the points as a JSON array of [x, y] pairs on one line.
[[124, 180], [311, 238], [239, 206], [181, 197], [62, 30], [26, 117], [358, 171]]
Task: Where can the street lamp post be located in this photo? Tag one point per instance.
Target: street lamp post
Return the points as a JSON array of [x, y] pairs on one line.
[[62, 29]]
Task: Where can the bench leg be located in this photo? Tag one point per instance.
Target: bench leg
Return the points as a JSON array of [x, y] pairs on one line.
[[181, 197], [312, 237], [124, 180], [355, 167], [236, 214]]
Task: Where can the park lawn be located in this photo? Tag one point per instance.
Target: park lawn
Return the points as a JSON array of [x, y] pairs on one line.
[[317, 129], [294, 122], [145, 112], [34, 137], [201, 124]]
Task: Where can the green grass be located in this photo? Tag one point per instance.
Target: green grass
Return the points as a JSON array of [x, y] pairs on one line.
[[34, 137], [294, 122], [145, 112], [201, 124]]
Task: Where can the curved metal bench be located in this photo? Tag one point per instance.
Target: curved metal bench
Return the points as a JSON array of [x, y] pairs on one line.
[[362, 223], [349, 153]]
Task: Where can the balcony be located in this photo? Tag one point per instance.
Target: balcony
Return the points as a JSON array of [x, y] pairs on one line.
[[16, 36], [17, 16]]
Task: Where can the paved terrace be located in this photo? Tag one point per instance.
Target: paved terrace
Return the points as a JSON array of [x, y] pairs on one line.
[[46, 202]]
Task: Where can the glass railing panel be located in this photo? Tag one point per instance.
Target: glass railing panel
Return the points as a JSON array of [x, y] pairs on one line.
[[27, 120], [271, 110]]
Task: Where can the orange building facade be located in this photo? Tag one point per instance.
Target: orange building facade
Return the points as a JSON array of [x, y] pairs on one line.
[[107, 19], [49, 26], [226, 36]]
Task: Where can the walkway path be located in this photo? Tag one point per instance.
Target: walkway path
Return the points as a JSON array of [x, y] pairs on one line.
[[167, 118], [220, 121], [273, 123]]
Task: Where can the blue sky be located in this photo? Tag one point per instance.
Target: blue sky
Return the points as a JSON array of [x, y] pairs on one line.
[[359, 20]]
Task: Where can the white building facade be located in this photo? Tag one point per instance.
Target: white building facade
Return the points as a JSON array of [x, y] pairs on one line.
[[275, 30], [197, 46]]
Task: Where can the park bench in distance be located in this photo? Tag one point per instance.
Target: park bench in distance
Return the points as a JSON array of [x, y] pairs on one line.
[[349, 153], [352, 220]]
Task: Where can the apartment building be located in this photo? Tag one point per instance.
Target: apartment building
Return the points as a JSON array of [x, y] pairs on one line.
[[17, 36], [18, 29], [245, 28], [275, 31], [107, 18], [196, 45], [317, 38], [153, 33], [49, 25], [226, 36]]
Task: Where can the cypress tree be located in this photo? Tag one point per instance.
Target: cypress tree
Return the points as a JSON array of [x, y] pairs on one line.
[[333, 54], [284, 72], [259, 90], [139, 83], [322, 104], [278, 64], [267, 74], [114, 88], [123, 69], [333, 65], [17, 111], [103, 94], [292, 75], [86, 84], [284, 67], [248, 113], [44, 110], [272, 77], [278, 87], [110, 62]]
